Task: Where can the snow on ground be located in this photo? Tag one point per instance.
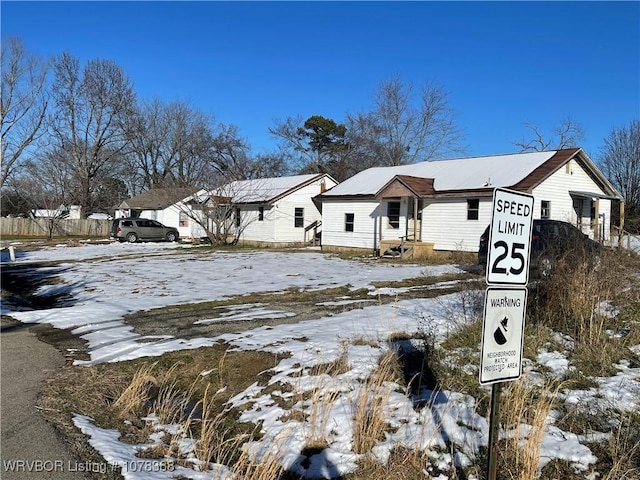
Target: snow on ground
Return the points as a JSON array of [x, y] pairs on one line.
[[116, 279]]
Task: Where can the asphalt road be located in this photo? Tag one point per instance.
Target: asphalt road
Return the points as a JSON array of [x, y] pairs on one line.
[[30, 447]]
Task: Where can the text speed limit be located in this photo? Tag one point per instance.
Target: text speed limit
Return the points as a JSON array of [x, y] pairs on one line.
[[510, 238]]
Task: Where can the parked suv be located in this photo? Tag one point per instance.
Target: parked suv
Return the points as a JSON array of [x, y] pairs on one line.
[[551, 240], [140, 229]]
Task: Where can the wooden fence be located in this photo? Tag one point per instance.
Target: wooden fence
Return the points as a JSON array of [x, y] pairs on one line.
[[44, 227]]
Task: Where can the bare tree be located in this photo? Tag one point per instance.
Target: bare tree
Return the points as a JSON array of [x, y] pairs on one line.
[[175, 144], [218, 214], [46, 185], [268, 165], [567, 134], [620, 158], [230, 157], [23, 103], [90, 122], [406, 125], [170, 144]]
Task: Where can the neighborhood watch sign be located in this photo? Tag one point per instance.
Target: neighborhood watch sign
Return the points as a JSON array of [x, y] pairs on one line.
[[506, 296], [502, 334]]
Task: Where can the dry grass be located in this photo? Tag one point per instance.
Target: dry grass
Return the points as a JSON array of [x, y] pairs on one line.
[[570, 302], [525, 411], [403, 464], [624, 449], [132, 401], [215, 441], [251, 467], [169, 387], [369, 422]]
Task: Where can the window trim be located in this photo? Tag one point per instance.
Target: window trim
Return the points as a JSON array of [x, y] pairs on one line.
[[349, 224], [183, 219], [473, 212], [298, 217], [545, 209], [393, 220]]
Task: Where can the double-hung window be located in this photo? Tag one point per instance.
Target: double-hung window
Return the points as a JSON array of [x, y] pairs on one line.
[[298, 220], [473, 208], [545, 209], [393, 214], [349, 219]]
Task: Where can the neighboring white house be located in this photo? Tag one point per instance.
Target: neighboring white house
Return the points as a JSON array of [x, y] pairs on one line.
[[169, 206], [276, 211], [447, 204], [72, 212]]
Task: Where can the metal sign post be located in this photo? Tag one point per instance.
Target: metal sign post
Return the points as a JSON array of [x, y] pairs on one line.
[[505, 302]]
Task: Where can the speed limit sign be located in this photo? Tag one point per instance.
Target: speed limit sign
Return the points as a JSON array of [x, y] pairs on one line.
[[510, 238]]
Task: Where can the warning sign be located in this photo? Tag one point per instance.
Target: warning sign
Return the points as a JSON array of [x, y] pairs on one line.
[[502, 334]]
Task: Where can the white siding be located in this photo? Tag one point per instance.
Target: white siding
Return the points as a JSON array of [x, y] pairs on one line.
[[365, 226], [254, 229], [171, 218], [556, 189], [444, 222], [278, 225]]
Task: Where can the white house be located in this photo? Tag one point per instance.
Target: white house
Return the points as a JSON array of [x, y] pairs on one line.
[[169, 206], [276, 211], [72, 212], [447, 204]]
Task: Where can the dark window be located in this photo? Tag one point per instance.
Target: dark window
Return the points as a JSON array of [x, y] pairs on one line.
[[473, 208], [298, 221], [260, 214], [545, 209], [127, 223], [238, 216], [393, 214], [348, 222]]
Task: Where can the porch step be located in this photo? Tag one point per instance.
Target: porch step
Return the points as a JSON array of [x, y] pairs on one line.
[[397, 251]]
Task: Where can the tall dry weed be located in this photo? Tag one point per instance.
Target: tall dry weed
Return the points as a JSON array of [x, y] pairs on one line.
[[623, 449], [214, 441], [132, 401], [525, 411], [369, 421]]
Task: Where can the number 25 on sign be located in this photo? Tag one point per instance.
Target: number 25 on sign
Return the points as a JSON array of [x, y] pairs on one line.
[[510, 238]]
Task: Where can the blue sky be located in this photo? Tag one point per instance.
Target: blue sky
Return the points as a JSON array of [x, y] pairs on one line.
[[252, 63]]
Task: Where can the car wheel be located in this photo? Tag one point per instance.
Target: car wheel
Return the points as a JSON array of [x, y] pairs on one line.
[[171, 237], [132, 237], [545, 266]]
